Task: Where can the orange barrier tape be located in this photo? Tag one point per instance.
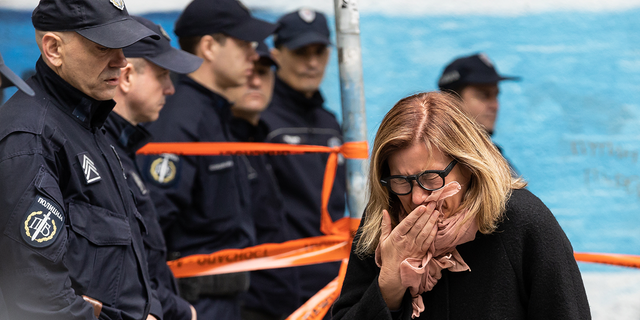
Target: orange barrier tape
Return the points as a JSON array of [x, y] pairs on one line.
[[318, 306], [351, 150], [624, 260]]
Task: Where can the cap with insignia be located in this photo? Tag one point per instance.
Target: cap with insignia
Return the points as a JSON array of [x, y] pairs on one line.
[[105, 22], [473, 69], [301, 28], [229, 17], [11, 79], [161, 52]]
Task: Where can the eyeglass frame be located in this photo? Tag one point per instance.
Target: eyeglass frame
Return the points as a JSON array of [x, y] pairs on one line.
[[442, 173]]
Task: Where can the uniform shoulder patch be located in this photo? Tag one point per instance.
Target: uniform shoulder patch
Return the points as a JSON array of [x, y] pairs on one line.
[[164, 170], [42, 223]]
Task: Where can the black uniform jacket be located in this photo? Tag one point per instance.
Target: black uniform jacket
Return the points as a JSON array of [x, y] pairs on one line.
[[202, 201], [292, 118], [524, 270], [68, 219], [127, 139], [274, 291]]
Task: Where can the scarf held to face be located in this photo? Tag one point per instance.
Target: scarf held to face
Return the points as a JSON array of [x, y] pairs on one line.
[[421, 274]]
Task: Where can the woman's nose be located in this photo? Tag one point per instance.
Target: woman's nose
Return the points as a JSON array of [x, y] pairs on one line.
[[418, 195]]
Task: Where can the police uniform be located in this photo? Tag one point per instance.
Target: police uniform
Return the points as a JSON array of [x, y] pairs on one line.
[[273, 291], [294, 119], [68, 220], [202, 201], [127, 139]]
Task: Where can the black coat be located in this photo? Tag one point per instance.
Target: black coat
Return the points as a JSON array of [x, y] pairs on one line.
[[292, 118], [274, 291], [127, 139], [524, 270], [69, 224], [202, 201]]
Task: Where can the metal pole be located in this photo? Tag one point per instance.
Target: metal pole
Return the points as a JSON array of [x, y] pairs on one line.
[[354, 125]]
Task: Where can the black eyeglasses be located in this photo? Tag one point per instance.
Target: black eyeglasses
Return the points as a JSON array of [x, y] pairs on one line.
[[430, 180]]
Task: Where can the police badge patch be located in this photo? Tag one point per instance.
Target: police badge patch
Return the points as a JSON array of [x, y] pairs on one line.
[[164, 169], [307, 15], [118, 4], [42, 223]]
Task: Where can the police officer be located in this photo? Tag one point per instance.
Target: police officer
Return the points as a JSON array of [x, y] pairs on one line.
[[296, 116], [9, 79], [203, 201], [71, 242], [474, 78], [140, 95], [273, 294]]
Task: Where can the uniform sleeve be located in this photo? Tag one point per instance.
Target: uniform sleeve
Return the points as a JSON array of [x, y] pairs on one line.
[[33, 277], [173, 306], [551, 278]]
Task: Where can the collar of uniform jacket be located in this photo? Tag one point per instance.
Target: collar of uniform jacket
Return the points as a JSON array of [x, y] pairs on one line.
[[298, 102], [90, 112], [129, 137], [220, 103], [247, 132]]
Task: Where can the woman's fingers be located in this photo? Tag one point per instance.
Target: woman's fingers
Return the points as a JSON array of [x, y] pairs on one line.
[[385, 225], [421, 220], [429, 232]]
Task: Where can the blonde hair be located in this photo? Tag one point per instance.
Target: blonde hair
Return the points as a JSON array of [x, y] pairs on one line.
[[437, 119]]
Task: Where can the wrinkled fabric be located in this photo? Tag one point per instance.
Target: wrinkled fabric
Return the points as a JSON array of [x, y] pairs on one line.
[[422, 274]]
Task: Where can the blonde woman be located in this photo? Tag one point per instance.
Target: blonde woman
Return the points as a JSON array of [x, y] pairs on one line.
[[448, 232]]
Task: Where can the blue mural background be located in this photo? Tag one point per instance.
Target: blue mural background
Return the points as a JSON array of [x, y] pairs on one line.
[[571, 126]]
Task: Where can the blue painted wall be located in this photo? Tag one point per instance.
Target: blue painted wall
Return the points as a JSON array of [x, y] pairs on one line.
[[571, 126]]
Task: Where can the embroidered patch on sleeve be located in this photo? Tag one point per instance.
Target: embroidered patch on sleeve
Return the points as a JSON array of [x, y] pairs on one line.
[[164, 169], [42, 223]]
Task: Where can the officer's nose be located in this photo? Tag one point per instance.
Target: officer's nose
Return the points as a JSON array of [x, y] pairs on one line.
[[117, 59], [493, 104], [254, 80], [169, 89]]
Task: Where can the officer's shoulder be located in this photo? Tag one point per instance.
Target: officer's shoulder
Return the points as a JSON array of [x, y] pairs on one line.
[[23, 113]]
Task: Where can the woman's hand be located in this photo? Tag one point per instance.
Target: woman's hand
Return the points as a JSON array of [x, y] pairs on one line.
[[410, 239]]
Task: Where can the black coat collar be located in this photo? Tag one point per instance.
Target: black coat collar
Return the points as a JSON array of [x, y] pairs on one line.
[[297, 101], [90, 112], [129, 137]]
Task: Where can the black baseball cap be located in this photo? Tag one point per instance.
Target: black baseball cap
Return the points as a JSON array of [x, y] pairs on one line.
[[301, 28], [11, 79], [473, 69], [229, 17], [265, 55], [105, 22], [161, 52]]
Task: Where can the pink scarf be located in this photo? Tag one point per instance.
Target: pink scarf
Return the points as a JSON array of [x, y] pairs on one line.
[[421, 275]]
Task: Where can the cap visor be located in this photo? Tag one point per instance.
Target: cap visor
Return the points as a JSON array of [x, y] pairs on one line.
[[483, 79], [177, 61], [251, 30], [15, 80], [118, 34], [306, 39]]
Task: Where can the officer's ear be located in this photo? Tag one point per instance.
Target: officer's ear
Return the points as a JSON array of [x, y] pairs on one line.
[[126, 75], [51, 47], [208, 48]]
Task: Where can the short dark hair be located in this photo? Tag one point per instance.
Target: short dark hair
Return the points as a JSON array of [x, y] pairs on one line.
[[190, 43]]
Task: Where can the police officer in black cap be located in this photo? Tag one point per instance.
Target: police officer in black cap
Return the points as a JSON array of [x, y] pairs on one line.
[[9, 79], [474, 78], [71, 245], [297, 116], [140, 95], [274, 293], [203, 202]]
